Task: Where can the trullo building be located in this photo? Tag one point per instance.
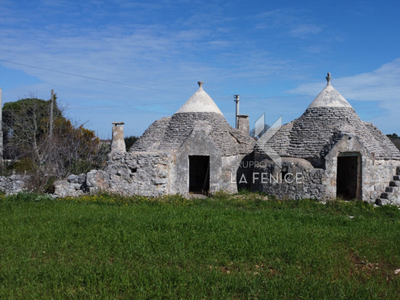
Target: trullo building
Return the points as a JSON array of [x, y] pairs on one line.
[[193, 151], [329, 152]]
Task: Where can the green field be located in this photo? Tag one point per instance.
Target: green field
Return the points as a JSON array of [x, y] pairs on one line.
[[224, 247]]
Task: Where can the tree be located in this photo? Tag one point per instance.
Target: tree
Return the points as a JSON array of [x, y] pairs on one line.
[[71, 149], [25, 122], [129, 141]]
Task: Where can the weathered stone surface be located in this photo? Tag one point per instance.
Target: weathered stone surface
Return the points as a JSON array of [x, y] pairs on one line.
[[118, 143], [64, 188], [97, 179], [169, 134], [315, 133], [143, 173], [13, 184], [82, 178], [73, 178], [328, 129], [299, 181]]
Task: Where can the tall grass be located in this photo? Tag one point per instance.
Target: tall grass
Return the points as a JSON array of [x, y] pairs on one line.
[[218, 248]]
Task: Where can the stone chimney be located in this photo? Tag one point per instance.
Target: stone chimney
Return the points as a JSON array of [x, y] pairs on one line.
[[243, 124], [118, 142]]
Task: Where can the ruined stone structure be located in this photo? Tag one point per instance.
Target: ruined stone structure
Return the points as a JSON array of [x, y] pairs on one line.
[[328, 152], [333, 153], [193, 151]]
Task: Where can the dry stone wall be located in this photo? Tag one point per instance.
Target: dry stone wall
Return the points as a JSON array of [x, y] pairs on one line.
[[126, 174], [13, 184], [141, 173], [296, 180]]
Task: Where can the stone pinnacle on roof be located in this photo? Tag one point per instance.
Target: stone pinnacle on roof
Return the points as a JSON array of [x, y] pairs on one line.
[[199, 102], [329, 97], [328, 79]]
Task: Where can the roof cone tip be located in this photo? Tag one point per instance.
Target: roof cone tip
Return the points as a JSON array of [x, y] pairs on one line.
[[329, 97], [199, 102], [328, 79]]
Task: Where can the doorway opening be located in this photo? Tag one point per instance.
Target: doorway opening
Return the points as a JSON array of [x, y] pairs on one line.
[[199, 174], [348, 180]]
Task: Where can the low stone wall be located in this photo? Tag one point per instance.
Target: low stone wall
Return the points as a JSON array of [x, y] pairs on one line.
[[138, 173], [74, 185], [126, 174], [13, 184]]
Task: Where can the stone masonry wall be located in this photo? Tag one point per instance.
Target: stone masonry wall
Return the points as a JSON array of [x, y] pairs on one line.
[[375, 173], [13, 184], [376, 177], [126, 174], [297, 179], [141, 173]]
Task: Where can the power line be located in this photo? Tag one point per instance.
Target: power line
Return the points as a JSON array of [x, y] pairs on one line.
[[88, 77], [113, 106]]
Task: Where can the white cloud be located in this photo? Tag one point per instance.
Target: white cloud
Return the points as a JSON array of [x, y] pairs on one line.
[[290, 20], [304, 30]]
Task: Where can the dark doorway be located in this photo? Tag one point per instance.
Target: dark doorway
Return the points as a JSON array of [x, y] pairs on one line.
[[199, 174], [348, 178]]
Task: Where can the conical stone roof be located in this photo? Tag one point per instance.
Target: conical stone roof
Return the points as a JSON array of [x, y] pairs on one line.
[[200, 111], [323, 124]]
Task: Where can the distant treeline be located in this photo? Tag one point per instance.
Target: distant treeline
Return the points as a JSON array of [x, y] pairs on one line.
[[395, 139], [129, 141]]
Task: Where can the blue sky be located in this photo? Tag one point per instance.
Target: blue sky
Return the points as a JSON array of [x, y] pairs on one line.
[[138, 61]]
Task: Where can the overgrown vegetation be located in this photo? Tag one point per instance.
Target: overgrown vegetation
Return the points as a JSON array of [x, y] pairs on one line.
[[30, 148], [226, 247]]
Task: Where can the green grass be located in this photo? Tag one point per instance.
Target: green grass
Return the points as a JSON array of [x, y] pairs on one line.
[[240, 247]]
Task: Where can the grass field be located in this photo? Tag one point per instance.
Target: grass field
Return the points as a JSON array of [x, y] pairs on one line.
[[111, 247]]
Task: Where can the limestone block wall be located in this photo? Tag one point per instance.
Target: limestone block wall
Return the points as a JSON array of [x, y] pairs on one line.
[[316, 183], [376, 177], [296, 180], [139, 173]]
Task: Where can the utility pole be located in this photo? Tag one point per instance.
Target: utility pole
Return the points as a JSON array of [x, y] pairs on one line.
[[237, 110], [51, 113]]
